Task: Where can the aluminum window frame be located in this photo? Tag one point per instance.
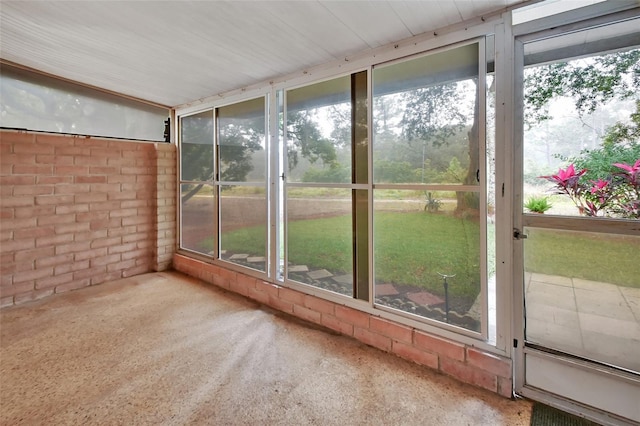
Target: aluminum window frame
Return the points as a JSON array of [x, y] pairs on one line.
[[497, 25]]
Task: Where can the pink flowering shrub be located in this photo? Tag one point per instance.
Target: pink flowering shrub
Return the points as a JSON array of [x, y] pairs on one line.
[[617, 195]]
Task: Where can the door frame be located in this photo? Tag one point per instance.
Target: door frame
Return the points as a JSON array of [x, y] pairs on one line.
[[551, 376]]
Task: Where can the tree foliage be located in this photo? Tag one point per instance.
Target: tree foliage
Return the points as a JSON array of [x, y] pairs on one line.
[[433, 113], [238, 140], [602, 79], [305, 139], [590, 83], [621, 133], [621, 145], [600, 187], [197, 148]]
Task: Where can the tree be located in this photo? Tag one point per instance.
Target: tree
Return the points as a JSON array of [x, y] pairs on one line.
[[592, 83], [437, 113], [238, 140], [196, 154], [305, 139], [428, 115]]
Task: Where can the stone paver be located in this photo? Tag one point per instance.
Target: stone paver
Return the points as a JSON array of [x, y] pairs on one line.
[[239, 256], [594, 320], [611, 348], [610, 326], [552, 314], [595, 286], [386, 290], [557, 336], [255, 259], [319, 274], [609, 304], [424, 298], [634, 305], [552, 279], [551, 295], [298, 268], [344, 279], [630, 292]]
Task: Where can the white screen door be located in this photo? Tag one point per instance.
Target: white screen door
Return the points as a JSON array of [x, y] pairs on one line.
[[578, 221]]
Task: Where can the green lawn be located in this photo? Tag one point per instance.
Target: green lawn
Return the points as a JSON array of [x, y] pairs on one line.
[[412, 247], [322, 244], [606, 258]]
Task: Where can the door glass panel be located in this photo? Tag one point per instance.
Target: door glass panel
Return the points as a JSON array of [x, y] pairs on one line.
[[243, 205], [425, 114], [241, 141], [320, 238], [197, 218], [319, 197], [197, 215], [429, 116], [582, 294], [581, 157], [196, 147], [427, 257], [582, 144], [243, 225], [319, 132]]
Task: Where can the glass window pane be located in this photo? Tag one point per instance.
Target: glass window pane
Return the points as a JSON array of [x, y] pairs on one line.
[[582, 294], [196, 147], [319, 132], [319, 238], [197, 218], [581, 149], [241, 141], [36, 102], [243, 225], [427, 259], [360, 127], [425, 117]]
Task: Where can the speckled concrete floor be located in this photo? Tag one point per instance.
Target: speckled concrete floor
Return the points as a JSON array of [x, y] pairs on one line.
[[164, 349]]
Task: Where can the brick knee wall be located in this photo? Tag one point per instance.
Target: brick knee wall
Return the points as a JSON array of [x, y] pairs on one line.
[[165, 224], [79, 211], [465, 363]]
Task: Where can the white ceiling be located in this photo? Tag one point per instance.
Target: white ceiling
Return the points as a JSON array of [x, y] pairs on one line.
[[174, 52]]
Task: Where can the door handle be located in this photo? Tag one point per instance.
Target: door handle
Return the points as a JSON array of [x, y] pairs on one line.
[[517, 235]]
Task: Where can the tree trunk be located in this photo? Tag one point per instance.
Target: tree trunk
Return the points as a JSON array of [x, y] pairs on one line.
[[186, 197], [466, 200]]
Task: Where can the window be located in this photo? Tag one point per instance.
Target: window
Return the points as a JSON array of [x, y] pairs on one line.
[[413, 175], [197, 218], [242, 156], [429, 203], [35, 102], [326, 177], [224, 183], [581, 131]]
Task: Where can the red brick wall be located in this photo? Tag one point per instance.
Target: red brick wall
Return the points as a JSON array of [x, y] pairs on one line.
[[463, 362], [78, 211]]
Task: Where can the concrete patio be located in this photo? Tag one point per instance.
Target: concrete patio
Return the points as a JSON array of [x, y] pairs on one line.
[[590, 319]]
